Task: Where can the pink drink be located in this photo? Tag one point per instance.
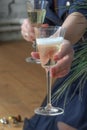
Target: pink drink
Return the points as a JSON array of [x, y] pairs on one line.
[[47, 48]]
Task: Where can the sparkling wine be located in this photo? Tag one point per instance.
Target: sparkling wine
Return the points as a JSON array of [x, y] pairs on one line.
[[36, 16], [47, 47]]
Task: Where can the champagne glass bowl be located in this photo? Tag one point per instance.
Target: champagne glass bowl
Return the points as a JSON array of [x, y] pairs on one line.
[[36, 10]]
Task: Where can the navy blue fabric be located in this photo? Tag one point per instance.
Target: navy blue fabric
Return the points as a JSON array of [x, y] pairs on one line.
[[74, 112], [75, 109], [56, 19]]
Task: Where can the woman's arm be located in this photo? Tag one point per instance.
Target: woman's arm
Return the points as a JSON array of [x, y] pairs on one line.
[[75, 25]]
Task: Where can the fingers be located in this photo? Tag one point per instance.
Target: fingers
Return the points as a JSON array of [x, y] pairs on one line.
[[64, 60], [44, 25], [35, 55], [66, 48], [25, 35], [27, 30], [61, 73]]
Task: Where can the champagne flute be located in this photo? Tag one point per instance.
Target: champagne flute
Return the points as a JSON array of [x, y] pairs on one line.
[[36, 13], [49, 43]]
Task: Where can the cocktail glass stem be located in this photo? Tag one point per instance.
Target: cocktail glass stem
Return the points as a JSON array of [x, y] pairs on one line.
[[31, 59], [34, 46], [49, 79]]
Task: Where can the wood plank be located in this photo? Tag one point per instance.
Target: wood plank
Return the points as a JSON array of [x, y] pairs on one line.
[[22, 85]]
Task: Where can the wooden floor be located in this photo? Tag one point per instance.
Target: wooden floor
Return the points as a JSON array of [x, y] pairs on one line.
[[22, 85]]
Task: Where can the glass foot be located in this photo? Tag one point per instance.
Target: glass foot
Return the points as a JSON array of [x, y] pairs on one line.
[[31, 60], [49, 112]]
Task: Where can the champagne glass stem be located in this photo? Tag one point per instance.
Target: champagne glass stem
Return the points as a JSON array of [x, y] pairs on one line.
[[48, 88], [35, 49], [34, 46]]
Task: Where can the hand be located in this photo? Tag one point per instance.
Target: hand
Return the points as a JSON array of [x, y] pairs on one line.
[[63, 58], [27, 30]]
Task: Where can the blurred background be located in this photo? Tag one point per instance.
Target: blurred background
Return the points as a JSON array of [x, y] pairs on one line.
[[12, 13], [21, 85]]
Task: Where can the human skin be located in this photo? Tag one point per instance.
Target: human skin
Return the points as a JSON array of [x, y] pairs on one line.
[[75, 25]]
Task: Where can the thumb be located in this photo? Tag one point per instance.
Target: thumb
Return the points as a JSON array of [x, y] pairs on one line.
[[45, 25], [35, 55]]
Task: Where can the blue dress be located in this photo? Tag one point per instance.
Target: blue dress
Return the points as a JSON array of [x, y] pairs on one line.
[[75, 109]]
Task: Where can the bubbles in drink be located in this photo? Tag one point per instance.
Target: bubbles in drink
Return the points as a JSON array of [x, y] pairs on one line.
[[47, 47], [37, 16]]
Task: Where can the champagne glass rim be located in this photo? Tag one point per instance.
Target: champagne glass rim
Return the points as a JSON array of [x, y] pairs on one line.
[[56, 31], [41, 4], [48, 27]]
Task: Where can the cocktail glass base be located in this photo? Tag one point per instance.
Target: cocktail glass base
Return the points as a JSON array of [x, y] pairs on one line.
[[32, 60], [49, 112]]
